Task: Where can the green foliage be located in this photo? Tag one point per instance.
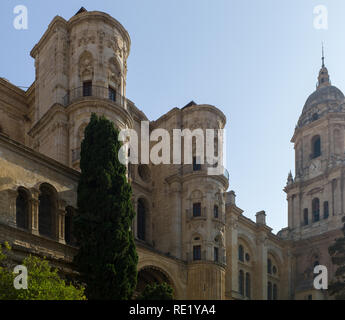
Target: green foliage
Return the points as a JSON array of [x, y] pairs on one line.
[[154, 291], [44, 282], [337, 252], [107, 258]]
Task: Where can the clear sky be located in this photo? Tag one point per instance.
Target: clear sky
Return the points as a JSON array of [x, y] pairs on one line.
[[256, 60]]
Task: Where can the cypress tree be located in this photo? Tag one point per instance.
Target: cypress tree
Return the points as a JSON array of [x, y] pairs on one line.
[[337, 252], [107, 258]]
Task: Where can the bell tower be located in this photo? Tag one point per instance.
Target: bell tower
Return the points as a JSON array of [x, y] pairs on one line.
[[316, 194]]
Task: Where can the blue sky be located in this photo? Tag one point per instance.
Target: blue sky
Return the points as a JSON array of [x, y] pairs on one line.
[[255, 60]]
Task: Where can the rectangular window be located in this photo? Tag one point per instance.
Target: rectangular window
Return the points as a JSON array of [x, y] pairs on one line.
[[196, 164], [112, 94], [269, 291], [215, 212], [316, 216], [325, 210], [197, 209], [305, 217], [87, 89], [196, 253], [216, 254]]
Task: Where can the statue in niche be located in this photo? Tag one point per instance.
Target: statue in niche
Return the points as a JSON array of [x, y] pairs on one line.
[[86, 66]]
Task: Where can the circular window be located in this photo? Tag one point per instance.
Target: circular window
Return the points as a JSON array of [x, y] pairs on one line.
[[247, 257], [144, 172], [274, 269]]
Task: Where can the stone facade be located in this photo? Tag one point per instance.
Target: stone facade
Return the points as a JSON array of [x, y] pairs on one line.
[[188, 228]]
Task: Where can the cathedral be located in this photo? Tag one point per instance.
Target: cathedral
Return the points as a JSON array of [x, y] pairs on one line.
[[188, 229]]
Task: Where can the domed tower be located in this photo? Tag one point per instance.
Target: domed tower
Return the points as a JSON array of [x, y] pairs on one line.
[[81, 67], [316, 194], [189, 205]]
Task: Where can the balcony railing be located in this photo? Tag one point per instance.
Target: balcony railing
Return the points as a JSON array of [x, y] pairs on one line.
[[188, 168], [221, 258], [93, 92], [190, 215]]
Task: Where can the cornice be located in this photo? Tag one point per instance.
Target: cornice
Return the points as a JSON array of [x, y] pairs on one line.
[[205, 107], [119, 110], [37, 157], [50, 30], [322, 121], [97, 15], [302, 184], [9, 88], [46, 119]]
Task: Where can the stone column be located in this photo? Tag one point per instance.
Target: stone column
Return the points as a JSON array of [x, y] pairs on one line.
[[261, 267], [61, 213], [33, 211], [232, 252], [290, 212], [176, 220]]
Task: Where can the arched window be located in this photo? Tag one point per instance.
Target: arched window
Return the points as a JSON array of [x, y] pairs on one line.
[[87, 88], [269, 266], [46, 212], [269, 290], [316, 147], [22, 210], [197, 253], [305, 217], [316, 209], [141, 220], [325, 210], [215, 211], [197, 209], [69, 225], [247, 285], [240, 253], [241, 282], [275, 292]]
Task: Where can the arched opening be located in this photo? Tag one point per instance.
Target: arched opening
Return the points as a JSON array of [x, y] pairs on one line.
[[273, 276], [316, 147], [316, 209], [22, 209], [141, 220], [240, 253], [150, 275], [46, 211], [269, 266], [269, 290], [248, 285], [215, 211]]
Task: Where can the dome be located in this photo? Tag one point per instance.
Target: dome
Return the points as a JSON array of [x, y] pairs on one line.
[[325, 99], [329, 94]]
